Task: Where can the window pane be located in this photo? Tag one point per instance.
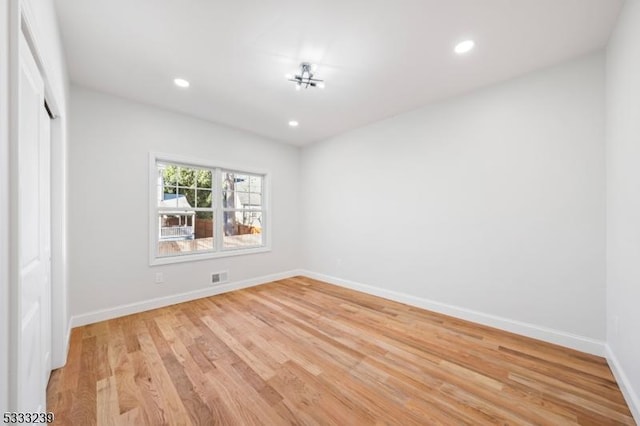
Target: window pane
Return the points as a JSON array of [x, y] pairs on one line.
[[241, 191], [228, 181], [242, 199], [228, 200], [186, 197], [169, 173], [203, 198], [255, 183], [251, 219], [204, 179], [185, 232], [255, 200], [166, 198], [204, 228], [177, 185], [187, 177], [242, 183], [242, 229]]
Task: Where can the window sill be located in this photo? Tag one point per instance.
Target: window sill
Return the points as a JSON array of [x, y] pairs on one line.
[[155, 261]]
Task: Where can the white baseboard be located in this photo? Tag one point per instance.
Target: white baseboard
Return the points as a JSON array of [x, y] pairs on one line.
[[145, 305], [67, 340], [632, 398], [569, 340]]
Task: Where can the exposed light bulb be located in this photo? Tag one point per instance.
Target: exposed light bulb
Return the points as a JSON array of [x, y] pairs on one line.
[[293, 123]]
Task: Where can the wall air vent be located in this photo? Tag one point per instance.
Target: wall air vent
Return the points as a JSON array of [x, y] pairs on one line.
[[219, 277]]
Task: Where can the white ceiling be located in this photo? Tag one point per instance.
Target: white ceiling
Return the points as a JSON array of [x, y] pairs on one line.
[[378, 57]]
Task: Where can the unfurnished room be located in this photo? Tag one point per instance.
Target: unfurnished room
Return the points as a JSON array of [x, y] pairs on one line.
[[275, 212]]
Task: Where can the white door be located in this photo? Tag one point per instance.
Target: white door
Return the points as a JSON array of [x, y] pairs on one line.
[[34, 333]]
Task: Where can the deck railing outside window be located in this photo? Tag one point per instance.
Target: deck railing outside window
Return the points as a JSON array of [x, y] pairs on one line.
[[176, 232]]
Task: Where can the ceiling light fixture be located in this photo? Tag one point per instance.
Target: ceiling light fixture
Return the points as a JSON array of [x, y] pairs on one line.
[[293, 123], [464, 46], [181, 82], [304, 78]]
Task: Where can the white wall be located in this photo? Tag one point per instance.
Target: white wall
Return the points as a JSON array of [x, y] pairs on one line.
[[110, 140], [623, 201], [492, 202]]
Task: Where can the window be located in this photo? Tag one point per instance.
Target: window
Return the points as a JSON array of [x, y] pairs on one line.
[[200, 211]]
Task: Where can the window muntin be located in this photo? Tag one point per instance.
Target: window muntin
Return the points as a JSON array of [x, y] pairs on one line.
[[206, 211]]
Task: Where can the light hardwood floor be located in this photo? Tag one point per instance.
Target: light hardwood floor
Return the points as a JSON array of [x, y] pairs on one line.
[[299, 351]]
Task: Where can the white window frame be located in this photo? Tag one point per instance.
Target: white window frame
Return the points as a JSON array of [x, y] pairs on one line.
[[217, 168]]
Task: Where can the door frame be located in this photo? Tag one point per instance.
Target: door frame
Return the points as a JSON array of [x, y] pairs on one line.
[[21, 20], [4, 207]]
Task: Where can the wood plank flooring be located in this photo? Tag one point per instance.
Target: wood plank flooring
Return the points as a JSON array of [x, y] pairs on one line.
[[299, 351]]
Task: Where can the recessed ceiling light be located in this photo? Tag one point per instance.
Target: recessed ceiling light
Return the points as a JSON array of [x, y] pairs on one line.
[[181, 82], [293, 123], [464, 46]]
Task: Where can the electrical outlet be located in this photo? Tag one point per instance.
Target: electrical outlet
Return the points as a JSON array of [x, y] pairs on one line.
[[159, 277]]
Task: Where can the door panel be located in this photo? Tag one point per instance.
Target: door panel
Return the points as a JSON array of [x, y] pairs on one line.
[[34, 334], [31, 89]]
